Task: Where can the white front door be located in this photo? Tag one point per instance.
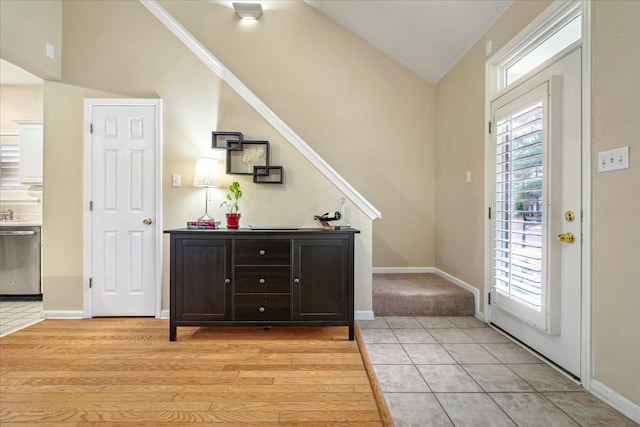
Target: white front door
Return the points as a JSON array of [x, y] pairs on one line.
[[124, 233], [536, 266]]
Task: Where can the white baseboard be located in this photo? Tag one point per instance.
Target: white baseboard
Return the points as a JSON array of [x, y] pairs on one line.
[[434, 270], [164, 314], [62, 314], [613, 398], [400, 270], [363, 315]]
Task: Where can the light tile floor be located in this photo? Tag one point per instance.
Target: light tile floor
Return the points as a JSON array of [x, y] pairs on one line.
[[15, 315], [457, 371]]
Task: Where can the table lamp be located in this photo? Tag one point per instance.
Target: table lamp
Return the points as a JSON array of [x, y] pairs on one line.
[[206, 176]]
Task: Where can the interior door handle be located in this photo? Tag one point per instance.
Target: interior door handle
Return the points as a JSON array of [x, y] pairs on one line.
[[147, 221]]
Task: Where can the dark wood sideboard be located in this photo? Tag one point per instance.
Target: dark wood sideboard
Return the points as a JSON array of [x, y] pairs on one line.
[[250, 277]]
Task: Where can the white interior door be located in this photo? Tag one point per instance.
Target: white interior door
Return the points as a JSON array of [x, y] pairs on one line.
[[536, 277], [124, 242]]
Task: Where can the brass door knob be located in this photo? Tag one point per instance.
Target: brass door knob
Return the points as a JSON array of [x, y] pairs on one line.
[[147, 221], [566, 237]]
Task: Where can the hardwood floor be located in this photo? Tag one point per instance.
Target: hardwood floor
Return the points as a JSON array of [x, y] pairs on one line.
[[125, 371]]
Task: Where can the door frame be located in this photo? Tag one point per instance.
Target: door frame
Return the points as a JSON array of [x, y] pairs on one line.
[[89, 103], [518, 42]]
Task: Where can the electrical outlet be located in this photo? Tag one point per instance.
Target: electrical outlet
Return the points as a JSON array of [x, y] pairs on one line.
[[467, 176], [175, 180], [613, 159]]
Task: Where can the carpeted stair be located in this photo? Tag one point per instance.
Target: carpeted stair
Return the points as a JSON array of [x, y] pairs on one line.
[[419, 294]]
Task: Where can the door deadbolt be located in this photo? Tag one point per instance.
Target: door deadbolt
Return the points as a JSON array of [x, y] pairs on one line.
[[569, 216]]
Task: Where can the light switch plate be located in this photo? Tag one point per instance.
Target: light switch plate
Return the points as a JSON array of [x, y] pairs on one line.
[[175, 180], [615, 159], [51, 50]]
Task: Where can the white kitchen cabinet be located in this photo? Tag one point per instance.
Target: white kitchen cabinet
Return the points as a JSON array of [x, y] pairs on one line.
[[31, 153]]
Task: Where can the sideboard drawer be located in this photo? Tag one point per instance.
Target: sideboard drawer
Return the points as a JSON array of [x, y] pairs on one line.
[[262, 307], [263, 280], [261, 252]]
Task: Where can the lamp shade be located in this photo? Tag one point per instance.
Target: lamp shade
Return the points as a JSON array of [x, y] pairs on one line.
[[206, 173]]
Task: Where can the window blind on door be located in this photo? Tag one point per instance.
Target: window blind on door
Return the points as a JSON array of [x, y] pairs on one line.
[[518, 248]]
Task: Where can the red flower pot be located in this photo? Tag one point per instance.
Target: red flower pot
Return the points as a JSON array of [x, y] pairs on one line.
[[233, 220]]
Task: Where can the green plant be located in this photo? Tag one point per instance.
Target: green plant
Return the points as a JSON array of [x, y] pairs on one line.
[[232, 197]]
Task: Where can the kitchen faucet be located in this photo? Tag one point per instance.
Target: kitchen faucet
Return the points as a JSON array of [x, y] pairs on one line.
[[7, 215]]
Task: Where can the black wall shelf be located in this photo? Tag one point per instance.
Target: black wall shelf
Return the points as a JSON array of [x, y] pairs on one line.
[[247, 157], [268, 174]]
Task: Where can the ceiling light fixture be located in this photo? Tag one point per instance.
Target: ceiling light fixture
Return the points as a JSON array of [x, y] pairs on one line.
[[251, 11]]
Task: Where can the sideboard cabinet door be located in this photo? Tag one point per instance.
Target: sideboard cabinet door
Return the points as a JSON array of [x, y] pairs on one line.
[[321, 279], [202, 279]]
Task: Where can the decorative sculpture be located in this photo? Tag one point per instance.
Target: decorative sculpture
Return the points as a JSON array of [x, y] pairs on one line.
[[325, 218]]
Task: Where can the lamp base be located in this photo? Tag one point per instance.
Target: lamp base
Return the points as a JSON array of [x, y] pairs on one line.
[[205, 217]]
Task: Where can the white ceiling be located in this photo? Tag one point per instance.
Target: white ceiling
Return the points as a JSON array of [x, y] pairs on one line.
[[13, 75], [426, 36]]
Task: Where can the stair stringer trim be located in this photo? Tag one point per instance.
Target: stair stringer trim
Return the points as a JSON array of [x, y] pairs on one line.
[[228, 77]]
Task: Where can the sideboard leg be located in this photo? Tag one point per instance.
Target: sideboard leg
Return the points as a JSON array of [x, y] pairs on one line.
[[172, 333], [351, 331]]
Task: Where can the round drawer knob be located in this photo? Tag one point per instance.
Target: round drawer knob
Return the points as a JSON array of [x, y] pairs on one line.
[[262, 252], [227, 281], [262, 281], [262, 309], [296, 280]]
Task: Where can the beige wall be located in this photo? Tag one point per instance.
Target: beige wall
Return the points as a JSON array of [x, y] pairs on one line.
[[460, 131], [62, 228], [369, 117], [25, 29], [616, 197], [195, 102], [372, 120], [460, 209], [19, 103], [304, 79]]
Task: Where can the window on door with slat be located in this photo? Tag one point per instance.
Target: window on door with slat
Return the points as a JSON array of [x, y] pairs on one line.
[[519, 194]]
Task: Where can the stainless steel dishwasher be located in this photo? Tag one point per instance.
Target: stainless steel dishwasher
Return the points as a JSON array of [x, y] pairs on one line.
[[20, 260]]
